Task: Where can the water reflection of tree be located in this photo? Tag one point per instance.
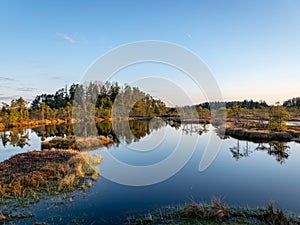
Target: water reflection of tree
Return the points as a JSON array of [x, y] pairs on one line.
[[240, 152], [277, 149], [120, 131], [16, 138], [137, 129], [61, 130], [174, 123], [4, 138], [85, 130], [220, 131], [194, 128]]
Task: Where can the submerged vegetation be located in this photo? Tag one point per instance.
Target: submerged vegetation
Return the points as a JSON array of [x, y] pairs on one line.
[[215, 213]]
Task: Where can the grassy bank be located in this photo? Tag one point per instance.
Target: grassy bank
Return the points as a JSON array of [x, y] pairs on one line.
[[254, 132], [31, 176], [34, 123], [215, 213]]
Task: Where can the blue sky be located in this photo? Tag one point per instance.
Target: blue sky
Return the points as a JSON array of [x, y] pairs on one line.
[[252, 47]]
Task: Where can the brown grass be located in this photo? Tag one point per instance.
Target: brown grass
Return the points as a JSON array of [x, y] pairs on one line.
[[78, 143], [32, 123], [24, 175], [216, 213], [275, 217]]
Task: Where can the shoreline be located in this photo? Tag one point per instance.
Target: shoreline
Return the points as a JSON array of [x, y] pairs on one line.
[[260, 136], [215, 213], [256, 134], [245, 130], [27, 124], [27, 178]]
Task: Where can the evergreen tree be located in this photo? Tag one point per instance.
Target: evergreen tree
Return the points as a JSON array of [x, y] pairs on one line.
[[277, 118]]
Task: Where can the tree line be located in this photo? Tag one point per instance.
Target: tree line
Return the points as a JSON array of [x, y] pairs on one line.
[[294, 102], [249, 104], [93, 99], [106, 100]]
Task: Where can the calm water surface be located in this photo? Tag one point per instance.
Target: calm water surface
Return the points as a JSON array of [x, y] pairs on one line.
[[244, 173]]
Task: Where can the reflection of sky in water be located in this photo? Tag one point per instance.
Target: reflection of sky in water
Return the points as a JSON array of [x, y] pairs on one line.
[[293, 123], [251, 180], [149, 153]]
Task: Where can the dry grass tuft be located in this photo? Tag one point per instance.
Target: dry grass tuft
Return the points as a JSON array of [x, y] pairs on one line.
[[24, 175], [78, 143], [216, 213], [275, 217], [2, 218]]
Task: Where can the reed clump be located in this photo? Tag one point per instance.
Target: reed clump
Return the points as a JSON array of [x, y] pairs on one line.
[[215, 211]]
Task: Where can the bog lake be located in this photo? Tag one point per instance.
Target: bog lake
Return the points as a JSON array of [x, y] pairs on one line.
[[243, 173]]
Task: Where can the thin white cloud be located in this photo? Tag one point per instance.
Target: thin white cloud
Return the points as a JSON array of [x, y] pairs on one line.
[[56, 78], [7, 79], [66, 37], [8, 98], [27, 89]]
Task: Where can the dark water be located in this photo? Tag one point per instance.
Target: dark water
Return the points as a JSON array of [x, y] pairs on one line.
[[243, 173]]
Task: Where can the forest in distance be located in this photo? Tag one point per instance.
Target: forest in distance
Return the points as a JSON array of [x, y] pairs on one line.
[[97, 100]]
